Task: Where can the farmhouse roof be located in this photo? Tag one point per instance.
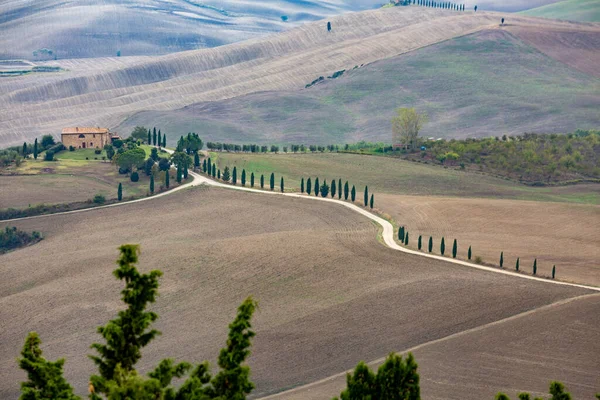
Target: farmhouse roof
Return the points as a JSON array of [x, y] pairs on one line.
[[83, 129]]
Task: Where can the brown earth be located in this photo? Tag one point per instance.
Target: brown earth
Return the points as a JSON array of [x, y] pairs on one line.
[[565, 235], [329, 293]]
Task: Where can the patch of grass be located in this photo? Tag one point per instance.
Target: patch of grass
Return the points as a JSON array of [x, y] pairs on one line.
[[80, 155], [573, 10]]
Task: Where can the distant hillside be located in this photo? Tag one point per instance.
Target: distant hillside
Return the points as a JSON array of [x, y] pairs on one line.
[[573, 10], [109, 91], [485, 84]]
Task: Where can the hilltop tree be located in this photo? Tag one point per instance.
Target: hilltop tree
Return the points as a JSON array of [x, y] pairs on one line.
[[234, 176], [35, 149], [317, 187], [475, 8], [226, 174], [353, 194], [281, 184], [406, 126], [149, 137], [120, 192], [442, 246], [164, 142], [333, 188], [324, 189], [302, 185], [469, 253], [243, 177], [262, 181], [366, 195], [339, 189], [328, 26], [167, 179], [430, 246], [252, 179], [346, 190], [454, 249], [420, 242], [154, 136], [371, 205], [151, 184], [272, 181], [159, 140], [308, 186]]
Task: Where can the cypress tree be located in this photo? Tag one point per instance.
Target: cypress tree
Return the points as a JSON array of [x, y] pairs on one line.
[[442, 246], [154, 136], [430, 244], [252, 179], [164, 144], [406, 239], [517, 264], [226, 174], [204, 165], [454, 249], [401, 234], [167, 179], [35, 149], [371, 203], [218, 174], [339, 189], [209, 166], [353, 194], [185, 172], [366, 195], [24, 149], [196, 160], [308, 186], [469, 253], [317, 187], [553, 271], [243, 177], [159, 140], [120, 192], [535, 266], [420, 243], [346, 191], [179, 174], [501, 259], [272, 181], [234, 176], [152, 184], [281, 184], [214, 168], [302, 186], [333, 188], [149, 137], [262, 181]]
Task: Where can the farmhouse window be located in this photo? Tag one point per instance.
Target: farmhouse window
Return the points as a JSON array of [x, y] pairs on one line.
[[91, 144], [82, 136]]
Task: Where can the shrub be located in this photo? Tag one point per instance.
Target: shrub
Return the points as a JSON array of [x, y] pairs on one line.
[[324, 189], [99, 199], [134, 177], [12, 238], [97, 151], [71, 148], [478, 260], [49, 156]]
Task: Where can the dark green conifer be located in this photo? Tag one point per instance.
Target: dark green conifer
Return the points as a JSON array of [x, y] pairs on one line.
[[430, 247], [149, 137], [204, 166], [333, 188], [154, 136], [454, 249], [442, 246], [179, 174], [214, 168], [302, 186], [185, 171], [406, 239], [120, 192], [167, 178], [346, 190], [371, 202], [252, 179], [535, 266], [353, 194], [262, 181], [226, 176], [553, 271], [243, 177], [308, 186], [366, 195], [35, 149], [517, 264], [501, 259], [151, 184], [420, 244], [196, 160], [234, 176], [281, 184], [317, 187], [469, 253], [164, 143], [272, 181], [339, 189]]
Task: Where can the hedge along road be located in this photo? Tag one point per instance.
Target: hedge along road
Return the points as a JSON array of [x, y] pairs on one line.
[[387, 234]]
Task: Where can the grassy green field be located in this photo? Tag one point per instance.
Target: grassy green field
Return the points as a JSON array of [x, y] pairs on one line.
[[394, 176], [574, 10], [488, 83], [80, 155]]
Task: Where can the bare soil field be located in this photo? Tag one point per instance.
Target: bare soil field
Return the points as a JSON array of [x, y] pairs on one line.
[[329, 293], [396, 176], [110, 92], [519, 354], [565, 235]]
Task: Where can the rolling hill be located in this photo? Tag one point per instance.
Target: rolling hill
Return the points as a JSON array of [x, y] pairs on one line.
[[108, 91], [574, 10]]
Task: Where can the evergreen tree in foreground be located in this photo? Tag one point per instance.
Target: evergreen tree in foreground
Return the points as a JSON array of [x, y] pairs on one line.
[[454, 249], [401, 234], [210, 166], [272, 181], [366, 195], [333, 188], [442, 246], [243, 177], [430, 246], [151, 184], [346, 191], [353, 194], [120, 192], [218, 174], [262, 181], [214, 168], [308, 186], [159, 140], [420, 242], [252, 179], [281, 184], [553, 271], [406, 239]]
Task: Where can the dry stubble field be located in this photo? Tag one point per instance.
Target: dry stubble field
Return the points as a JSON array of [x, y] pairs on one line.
[[329, 293]]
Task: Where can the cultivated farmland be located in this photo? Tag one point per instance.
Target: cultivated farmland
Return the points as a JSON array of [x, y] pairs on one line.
[[330, 294]]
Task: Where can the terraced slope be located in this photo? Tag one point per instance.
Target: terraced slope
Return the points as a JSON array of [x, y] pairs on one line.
[[111, 91]]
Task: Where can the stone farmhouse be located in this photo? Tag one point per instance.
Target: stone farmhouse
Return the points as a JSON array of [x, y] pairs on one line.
[[87, 137]]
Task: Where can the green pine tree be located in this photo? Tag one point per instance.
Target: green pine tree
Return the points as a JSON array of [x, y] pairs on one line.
[[401, 234], [366, 195], [154, 136], [501, 259], [420, 242], [517, 264], [406, 239], [252, 179], [442, 246], [234, 176], [302, 185], [159, 140], [324, 189], [120, 192], [454, 248], [164, 143], [535, 266], [24, 151], [308, 186], [196, 160], [185, 171], [262, 181], [204, 166], [214, 168], [281, 184], [226, 174], [553, 271], [44, 378], [151, 184], [371, 202], [218, 173], [179, 174], [430, 246], [346, 191], [353, 194], [272, 181], [469, 253], [339, 189], [317, 187], [210, 166], [167, 179], [333, 188], [35, 149], [243, 177], [149, 137]]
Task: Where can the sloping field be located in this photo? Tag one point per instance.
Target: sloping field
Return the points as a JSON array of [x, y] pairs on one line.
[[574, 10], [565, 235], [329, 294], [524, 353], [487, 83], [35, 104], [396, 176], [149, 27]]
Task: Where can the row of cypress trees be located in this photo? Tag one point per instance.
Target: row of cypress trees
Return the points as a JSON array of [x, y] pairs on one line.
[[335, 189], [231, 176], [403, 237]]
